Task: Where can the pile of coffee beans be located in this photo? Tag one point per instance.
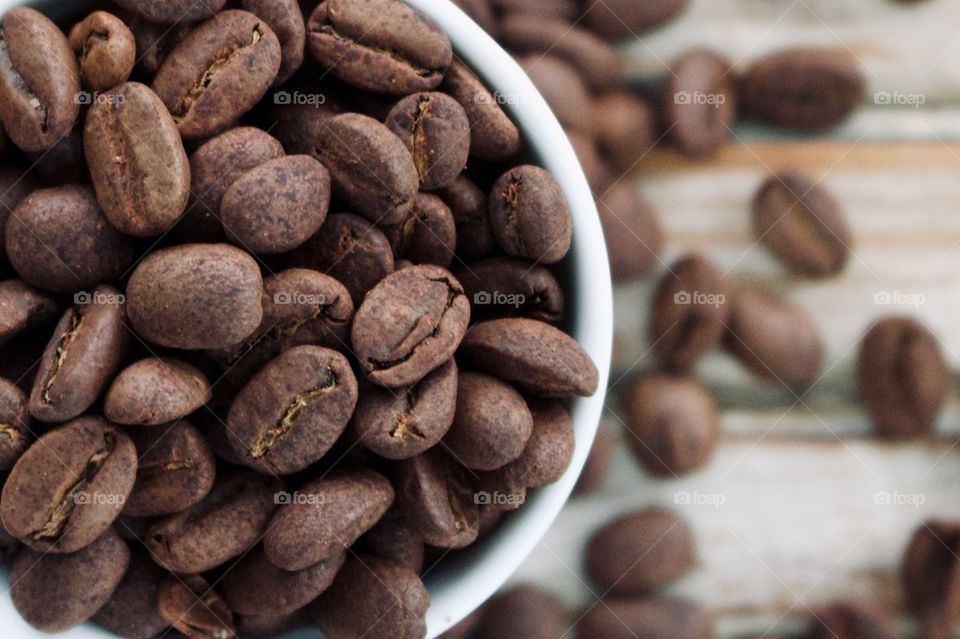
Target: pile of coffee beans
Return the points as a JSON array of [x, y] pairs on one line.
[[282, 318]]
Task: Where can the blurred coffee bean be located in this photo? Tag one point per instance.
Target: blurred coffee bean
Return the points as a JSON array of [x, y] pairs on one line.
[[563, 88], [622, 19], [930, 574], [595, 471], [522, 611], [852, 621], [627, 127], [700, 103], [646, 618], [632, 231]]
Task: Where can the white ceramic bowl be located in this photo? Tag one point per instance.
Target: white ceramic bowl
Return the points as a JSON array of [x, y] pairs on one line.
[[460, 583]]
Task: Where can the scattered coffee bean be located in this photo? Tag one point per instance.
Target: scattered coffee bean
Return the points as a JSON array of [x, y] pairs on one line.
[[701, 103], [564, 89], [564, 9], [155, 391], [632, 230], [626, 126], [929, 577], [532, 613], [257, 587], [106, 50], [595, 471], [599, 173], [436, 131], [15, 431], [192, 606], [529, 215], [23, 308], [648, 618], [620, 19]]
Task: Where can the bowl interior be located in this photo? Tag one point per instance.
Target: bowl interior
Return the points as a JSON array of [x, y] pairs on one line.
[[461, 582]]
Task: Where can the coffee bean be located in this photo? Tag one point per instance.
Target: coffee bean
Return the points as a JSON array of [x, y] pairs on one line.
[[622, 19], [218, 72], [639, 552], [493, 136], [176, 470], [300, 125], [173, 11], [409, 324], [155, 41], [626, 126], [508, 286], [325, 517], [852, 621], [214, 167], [192, 606], [599, 173], [401, 423], [23, 308], [929, 577], [155, 391], [132, 611], [59, 240], [530, 216], [427, 234], [350, 249], [106, 50], [701, 103], [482, 13], [403, 54], [256, 587], [277, 206], [492, 423], [373, 597], [69, 486], [633, 232], [392, 538], [436, 131], [54, 592], [803, 88], [15, 185], [63, 163], [196, 296], [549, 451], [534, 355], [15, 432], [903, 377], [674, 424], [801, 223], [438, 499], [293, 410], [774, 339], [229, 521], [369, 166], [81, 358], [533, 614], [271, 625], [595, 471], [648, 618], [286, 21], [564, 89], [39, 80], [469, 207]]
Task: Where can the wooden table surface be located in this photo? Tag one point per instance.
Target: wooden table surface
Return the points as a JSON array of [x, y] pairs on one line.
[[800, 505]]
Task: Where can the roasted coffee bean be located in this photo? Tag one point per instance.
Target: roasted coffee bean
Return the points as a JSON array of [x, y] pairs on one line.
[[369, 166], [81, 358], [853, 621], [427, 234], [564, 89], [533, 355], [648, 618], [196, 296], [39, 80], [173, 11], [225, 524], [674, 424], [626, 126], [15, 428], [600, 175], [774, 339], [271, 625], [929, 577], [69, 486], [176, 470], [409, 324], [689, 312], [399, 55], [23, 308], [392, 538], [482, 13], [597, 61], [214, 167], [293, 410], [801, 223], [548, 452], [257, 587], [132, 611], [507, 286], [438, 499], [621, 19], [59, 240], [106, 50], [530, 216], [218, 72], [286, 21], [192, 606], [155, 41], [639, 553], [803, 88], [15, 185], [436, 131], [137, 162], [632, 228], [903, 377], [492, 423], [493, 136], [532, 612], [277, 206], [299, 125], [469, 207], [350, 249], [400, 423], [595, 471], [701, 103], [565, 9], [325, 517], [54, 592], [155, 391]]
